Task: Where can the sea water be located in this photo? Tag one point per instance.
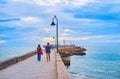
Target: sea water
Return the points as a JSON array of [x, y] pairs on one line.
[[12, 51], [100, 62]]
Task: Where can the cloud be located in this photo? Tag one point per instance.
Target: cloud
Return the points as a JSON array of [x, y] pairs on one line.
[[71, 3], [31, 19], [9, 20], [63, 2], [94, 38], [90, 39], [47, 29], [48, 39], [84, 20], [73, 38], [112, 41], [115, 2], [47, 2], [104, 38], [64, 34], [2, 41], [81, 2], [67, 30], [22, 22]]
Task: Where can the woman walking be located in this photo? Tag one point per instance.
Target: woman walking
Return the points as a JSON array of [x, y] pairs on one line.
[[39, 52]]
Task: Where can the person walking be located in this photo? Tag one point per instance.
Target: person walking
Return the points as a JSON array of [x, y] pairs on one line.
[[39, 52], [48, 51]]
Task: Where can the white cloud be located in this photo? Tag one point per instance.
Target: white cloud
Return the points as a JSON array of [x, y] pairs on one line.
[[96, 36], [81, 38], [47, 29], [51, 3], [94, 39], [103, 38], [112, 41], [48, 39], [70, 3], [81, 2], [72, 38], [64, 34], [2, 41], [31, 19], [47, 2], [115, 2], [67, 30], [24, 22]]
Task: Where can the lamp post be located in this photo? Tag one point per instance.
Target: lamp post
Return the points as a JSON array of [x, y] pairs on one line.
[[53, 24]]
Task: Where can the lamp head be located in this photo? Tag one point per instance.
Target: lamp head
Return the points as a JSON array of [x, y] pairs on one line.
[[52, 24], [53, 37]]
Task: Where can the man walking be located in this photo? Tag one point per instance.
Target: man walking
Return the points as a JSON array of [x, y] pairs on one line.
[[48, 51]]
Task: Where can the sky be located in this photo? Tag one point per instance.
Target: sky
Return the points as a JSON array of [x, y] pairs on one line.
[[27, 22]]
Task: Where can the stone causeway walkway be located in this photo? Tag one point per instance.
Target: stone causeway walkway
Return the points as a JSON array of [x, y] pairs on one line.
[[31, 69]]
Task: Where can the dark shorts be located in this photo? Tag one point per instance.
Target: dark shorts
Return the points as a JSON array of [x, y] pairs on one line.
[[47, 51]]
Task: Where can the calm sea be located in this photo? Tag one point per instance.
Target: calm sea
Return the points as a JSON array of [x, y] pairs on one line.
[[12, 51], [101, 62]]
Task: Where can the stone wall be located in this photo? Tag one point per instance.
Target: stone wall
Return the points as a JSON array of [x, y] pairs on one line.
[[14, 60]]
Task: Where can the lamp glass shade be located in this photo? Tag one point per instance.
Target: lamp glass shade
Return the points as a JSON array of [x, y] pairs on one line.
[[53, 24]]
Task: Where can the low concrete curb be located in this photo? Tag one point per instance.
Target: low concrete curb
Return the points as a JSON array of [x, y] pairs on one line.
[[14, 60], [62, 72]]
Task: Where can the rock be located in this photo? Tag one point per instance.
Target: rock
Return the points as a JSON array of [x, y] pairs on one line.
[[79, 53], [66, 61], [68, 51]]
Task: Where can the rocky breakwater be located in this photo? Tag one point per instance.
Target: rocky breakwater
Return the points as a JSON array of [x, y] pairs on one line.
[[69, 51]]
